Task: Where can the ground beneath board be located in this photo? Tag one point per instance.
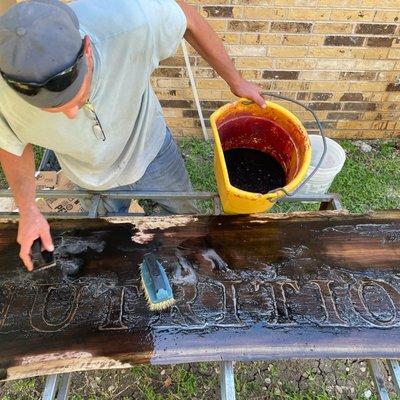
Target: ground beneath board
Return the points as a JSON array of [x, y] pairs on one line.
[[294, 380]]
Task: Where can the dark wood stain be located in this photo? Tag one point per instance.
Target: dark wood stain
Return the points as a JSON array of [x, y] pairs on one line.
[[246, 287], [254, 171]]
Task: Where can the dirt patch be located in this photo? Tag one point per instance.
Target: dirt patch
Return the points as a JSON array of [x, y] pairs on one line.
[[312, 379]]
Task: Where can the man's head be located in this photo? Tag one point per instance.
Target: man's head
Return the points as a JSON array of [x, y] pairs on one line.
[[43, 57]]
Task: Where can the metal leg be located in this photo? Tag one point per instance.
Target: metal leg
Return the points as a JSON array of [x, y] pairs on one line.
[[394, 370], [57, 387], [376, 374], [227, 381], [95, 206], [336, 203], [217, 206]]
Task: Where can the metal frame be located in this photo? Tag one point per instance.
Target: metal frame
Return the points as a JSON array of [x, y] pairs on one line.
[[379, 381], [328, 201], [227, 381], [57, 386], [394, 371]]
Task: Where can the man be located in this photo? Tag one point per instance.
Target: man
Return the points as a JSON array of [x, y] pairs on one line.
[[75, 79]]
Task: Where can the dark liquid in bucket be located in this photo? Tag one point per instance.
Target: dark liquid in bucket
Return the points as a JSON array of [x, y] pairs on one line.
[[253, 170]]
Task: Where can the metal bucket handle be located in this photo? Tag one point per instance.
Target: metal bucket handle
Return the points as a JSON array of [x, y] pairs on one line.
[[320, 130]]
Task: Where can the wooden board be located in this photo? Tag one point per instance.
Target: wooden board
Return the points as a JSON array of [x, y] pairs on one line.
[[296, 286]]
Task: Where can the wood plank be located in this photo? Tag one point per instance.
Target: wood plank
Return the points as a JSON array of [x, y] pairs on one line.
[[305, 285]]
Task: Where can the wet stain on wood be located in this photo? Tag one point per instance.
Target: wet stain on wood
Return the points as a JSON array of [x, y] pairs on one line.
[[246, 287]]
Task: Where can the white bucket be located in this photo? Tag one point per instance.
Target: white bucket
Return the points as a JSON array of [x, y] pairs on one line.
[[331, 165]]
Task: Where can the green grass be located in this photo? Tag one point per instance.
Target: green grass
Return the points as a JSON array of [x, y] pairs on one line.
[[368, 181], [199, 159]]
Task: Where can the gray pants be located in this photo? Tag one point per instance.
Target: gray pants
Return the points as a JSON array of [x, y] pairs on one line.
[[166, 173]]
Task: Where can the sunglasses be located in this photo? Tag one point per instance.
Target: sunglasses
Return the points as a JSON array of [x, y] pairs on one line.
[[57, 83]]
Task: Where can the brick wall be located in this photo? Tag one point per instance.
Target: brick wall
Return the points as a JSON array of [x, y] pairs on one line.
[[341, 57]]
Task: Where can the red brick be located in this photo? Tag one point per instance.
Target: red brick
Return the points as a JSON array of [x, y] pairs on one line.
[[247, 26], [325, 106], [375, 29], [195, 114], [321, 96], [218, 11], [380, 41], [343, 115], [357, 76], [294, 27], [360, 107], [286, 75], [393, 87], [176, 103], [352, 97], [344, 41]]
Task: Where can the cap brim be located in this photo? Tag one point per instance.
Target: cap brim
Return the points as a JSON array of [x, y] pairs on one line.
[[47, 99]]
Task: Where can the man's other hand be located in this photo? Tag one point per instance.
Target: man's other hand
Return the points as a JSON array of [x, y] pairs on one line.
[[248, 90], [33, 225]]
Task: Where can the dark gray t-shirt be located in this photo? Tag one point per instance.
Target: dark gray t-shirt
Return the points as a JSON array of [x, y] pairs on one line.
[[130, 38]]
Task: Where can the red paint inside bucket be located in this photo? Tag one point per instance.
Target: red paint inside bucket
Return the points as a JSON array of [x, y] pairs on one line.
[[253, 132]]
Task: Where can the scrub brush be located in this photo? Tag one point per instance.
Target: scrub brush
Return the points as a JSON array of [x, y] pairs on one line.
[[155, 284]]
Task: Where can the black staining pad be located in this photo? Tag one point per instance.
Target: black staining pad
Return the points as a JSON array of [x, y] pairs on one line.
[[253, 170]]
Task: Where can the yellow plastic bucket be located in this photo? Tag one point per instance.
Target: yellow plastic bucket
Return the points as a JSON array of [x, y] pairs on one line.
[[242, 125]]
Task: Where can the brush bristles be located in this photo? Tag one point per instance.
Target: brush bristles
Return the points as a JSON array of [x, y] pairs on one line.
[[156, 306]]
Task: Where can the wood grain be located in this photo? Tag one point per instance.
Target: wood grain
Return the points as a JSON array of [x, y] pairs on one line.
[[304, 285]]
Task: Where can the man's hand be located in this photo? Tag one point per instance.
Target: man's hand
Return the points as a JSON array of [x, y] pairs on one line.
[[33, 225], [20, 172], [249, 91]]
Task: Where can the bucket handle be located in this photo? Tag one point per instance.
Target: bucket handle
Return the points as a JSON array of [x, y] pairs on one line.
[[320, 130]]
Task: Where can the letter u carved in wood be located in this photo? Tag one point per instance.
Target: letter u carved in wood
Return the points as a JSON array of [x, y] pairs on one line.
[[48, 312]]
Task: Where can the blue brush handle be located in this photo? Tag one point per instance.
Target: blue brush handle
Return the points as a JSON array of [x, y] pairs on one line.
[[153, 266]]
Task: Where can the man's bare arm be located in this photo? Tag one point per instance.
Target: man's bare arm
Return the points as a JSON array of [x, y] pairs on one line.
[[20, 173], [207, 43]]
